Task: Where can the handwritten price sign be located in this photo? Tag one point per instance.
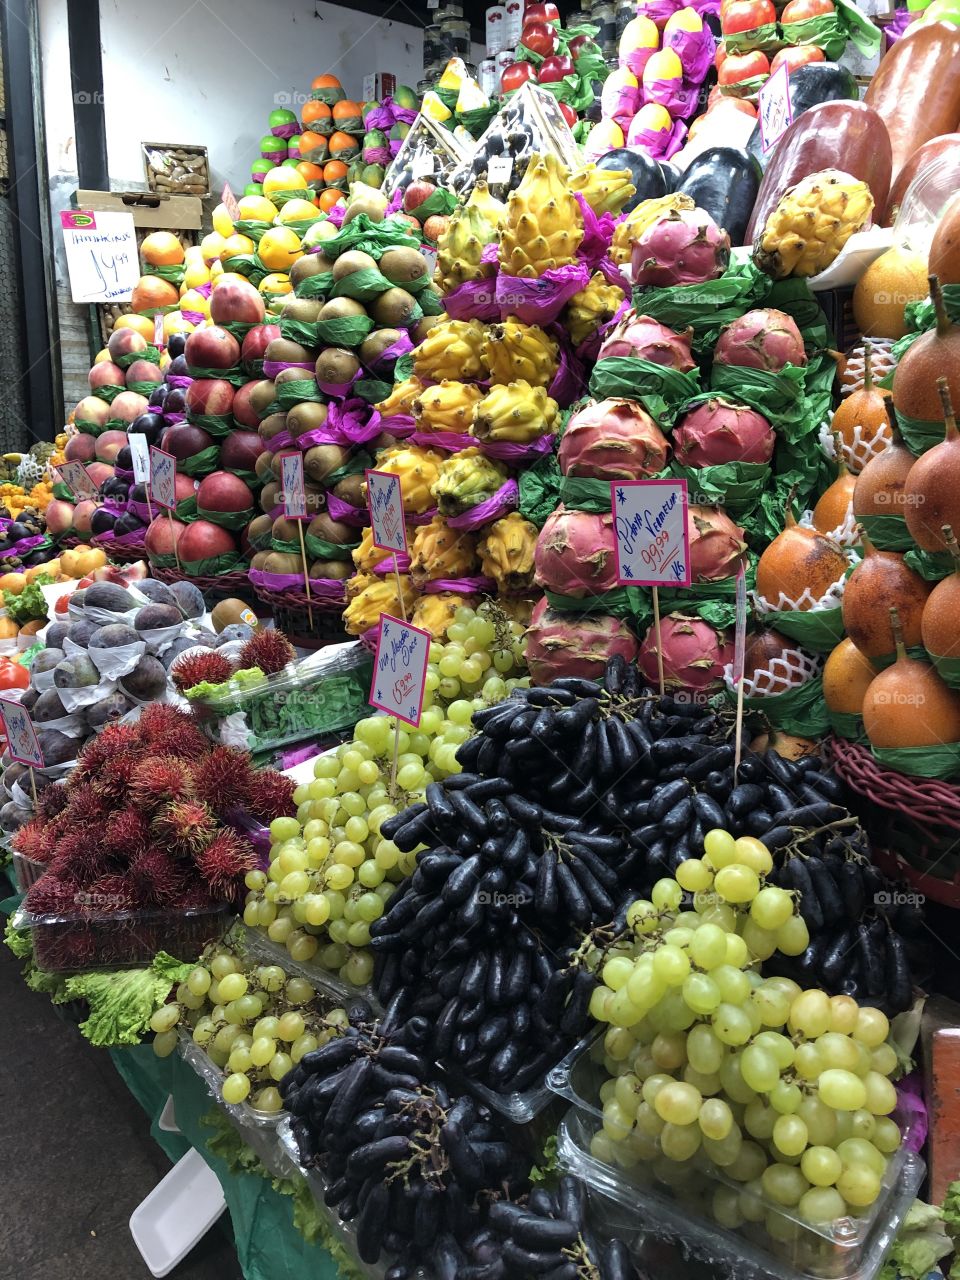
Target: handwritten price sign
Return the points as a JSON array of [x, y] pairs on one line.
[[400, 669], [230, 202], [291, 486], [76, 477], [385, 501], [102, 255], [163, 478], [22, 741], [650, 526], [775, 108], [140, 452]]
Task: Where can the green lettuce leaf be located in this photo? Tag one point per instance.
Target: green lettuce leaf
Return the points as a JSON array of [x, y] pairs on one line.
[[121, 1003], [920, 1244]]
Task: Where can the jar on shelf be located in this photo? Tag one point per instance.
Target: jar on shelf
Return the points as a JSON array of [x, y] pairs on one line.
[[455, 32], [432, 44], [603, 16], [626, 12]]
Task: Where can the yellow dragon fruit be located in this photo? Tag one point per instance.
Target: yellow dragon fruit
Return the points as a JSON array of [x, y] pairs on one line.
[[466, 479], [434, 613], [401, 398], [418, 470], [448, 406], [452, 349], [516, 352], [544, 226], [514, 411], [636, 222], [441, 552], [592, 307], [506, 552], [366, 556], [605, 190], [471, 228], [376, 597]]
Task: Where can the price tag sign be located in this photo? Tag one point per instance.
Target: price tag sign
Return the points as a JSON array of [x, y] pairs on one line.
[[775, 108], [76, 477], [499, 169], [430, 258], [163, 478], [229, 201], [740, 635], [423, 165], [102, 255], [292, 491], [22, 741], [650, 528], [158, 330], [140, 452], [385, 503], [400, 669]]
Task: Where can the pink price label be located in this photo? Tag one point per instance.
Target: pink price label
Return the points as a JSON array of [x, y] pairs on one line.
[[651, 536], [385, 503], [163, 478], [400, 669], [292, 491], [22, 743], [230, 202], [78, 220]]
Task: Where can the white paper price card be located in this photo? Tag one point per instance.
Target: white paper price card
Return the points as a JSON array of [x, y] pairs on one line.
[[385, 501], [230, 202], [651, 537], [292, 491], [158, 330], [140, 452], [76, 476], [423, 165], [163, 478], [22, 741], [499, 169], [400, 669], [101, 255], [775, 108]]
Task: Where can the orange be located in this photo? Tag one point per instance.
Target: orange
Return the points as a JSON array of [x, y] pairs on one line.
[[330, 197], [279, 248], [150, 292], [343, 144], [346, 109], [325, 82], [211, 245], [315, 110], [311, 172], [276, 283], [283, 178], [313, 146], [140, 324], [234, 245], [161, 249], [334, 171]]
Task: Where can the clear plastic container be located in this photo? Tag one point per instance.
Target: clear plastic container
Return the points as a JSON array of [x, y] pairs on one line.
[[846, 1249], [428, 151], [321, 694], [26, 871], [73, 942], [925, 201], [330, 984]]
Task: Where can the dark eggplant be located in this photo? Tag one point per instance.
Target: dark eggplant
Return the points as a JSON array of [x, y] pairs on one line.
[[724, 181], [645, 174]]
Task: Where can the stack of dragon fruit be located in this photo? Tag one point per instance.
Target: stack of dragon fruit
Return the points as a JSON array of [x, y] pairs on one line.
[[682, 423]]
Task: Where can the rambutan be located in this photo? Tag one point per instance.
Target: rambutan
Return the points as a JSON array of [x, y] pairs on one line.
[[125, 835], [112, 780], [159, 780], [271, 651], [167, 731], [184, 827], [112, 893], [195, 668], [224, 779], [53, 800], [157, 878], [114, 740], [50, 895], [270, 795], [224, 860], [85, 808], [79, 855], [34, 840]]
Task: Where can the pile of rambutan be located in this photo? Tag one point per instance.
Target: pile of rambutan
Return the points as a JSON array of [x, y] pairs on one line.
[[268, 651], [143, 822]]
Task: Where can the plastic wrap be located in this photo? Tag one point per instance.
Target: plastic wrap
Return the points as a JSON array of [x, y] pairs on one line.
[[428, 151]]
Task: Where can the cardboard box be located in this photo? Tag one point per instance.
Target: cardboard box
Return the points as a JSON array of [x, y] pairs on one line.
[[152, 210]]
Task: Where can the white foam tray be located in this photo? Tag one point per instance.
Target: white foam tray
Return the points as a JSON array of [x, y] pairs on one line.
[[177, 1213]]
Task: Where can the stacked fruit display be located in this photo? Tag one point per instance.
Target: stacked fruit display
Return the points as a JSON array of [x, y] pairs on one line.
[[569, 64]]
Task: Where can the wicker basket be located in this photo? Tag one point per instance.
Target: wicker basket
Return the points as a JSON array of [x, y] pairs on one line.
[[294, 622], [235, 583], [914, 823], [118, 553]]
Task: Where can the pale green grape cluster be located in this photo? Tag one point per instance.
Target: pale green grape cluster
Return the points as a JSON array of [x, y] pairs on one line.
[[253, 1021], [786, 1091], [330, 873]]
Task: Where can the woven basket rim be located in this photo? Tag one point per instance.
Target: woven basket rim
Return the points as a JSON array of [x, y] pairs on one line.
[[929, 802], [233, 580], [290, 598]]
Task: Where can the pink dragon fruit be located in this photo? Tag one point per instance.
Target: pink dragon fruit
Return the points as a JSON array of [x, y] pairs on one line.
[[613, 440], [716, 544], [647, 339], [563, 644], [694, 654], [684, 247], [719, 431], [575, 554], [761, 339]]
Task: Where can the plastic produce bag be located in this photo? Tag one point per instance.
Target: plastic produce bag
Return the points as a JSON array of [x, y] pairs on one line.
[[428, 151]]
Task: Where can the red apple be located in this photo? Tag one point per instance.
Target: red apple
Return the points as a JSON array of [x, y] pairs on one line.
[[163, 535], [105, 374], [81, 448], [541, 13], [83, 513], [240, 450], [144, 371], [744, 15], [256, 342], [203, 540], [434, 227], [244, 414], [236, 300], [738, 67], [126, 342], [407, 219], [212, 348], [797, 56], [516, 74], [59, 516], [92, 409], [539, 37], [100, 472], [128, 406], [416, 193], [210, 395], [801, 10], [222, 491], [109, 445], [568, 113], [184, 440], [555, 68], [578, 44]]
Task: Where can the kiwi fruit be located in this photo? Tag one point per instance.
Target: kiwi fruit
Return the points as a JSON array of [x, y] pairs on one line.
[[323, 459], [338, 569], [401, 266], [306, 416], [351, 261], [304, 310], [341, 309], [260, 527], [263, 467], [336, 364], [307, 266], [395, 308], [351, 489], [282, 562], [269, 496], [324, 526], [423, 327], [372, 348], [262, 396], [287, 351], [272, 426]]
